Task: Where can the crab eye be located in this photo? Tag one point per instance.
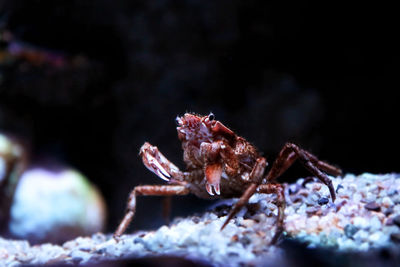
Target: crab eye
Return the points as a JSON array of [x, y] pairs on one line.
[[178, 121], [211, 117]]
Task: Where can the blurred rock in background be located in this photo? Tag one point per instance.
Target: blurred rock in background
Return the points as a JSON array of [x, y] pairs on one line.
[[12, 164], [55, 205], [47, 202], [89, 82]]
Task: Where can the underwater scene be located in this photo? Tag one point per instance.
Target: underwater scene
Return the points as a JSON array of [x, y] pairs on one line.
[[198, 133]]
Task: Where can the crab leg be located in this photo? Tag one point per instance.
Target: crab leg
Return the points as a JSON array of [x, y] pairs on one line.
[[166, 208], [332, 170], [255, 176], [146, 190], [281, 203], [290, 152]]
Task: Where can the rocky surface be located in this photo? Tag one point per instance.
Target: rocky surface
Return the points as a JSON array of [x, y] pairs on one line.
[[365, 217]]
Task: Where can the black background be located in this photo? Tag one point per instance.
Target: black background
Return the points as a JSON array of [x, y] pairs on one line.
[[323, 75]]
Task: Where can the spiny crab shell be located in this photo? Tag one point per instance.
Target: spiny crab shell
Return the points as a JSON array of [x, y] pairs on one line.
[[197, 129], [211, 151]]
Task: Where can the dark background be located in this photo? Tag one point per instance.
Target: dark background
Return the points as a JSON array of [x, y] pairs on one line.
[[323, 75]]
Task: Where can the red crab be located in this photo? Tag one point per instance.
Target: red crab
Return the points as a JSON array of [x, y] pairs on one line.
[[221, 164]]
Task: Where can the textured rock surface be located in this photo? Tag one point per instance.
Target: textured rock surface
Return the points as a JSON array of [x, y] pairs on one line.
[[55, 206], [364, 217]]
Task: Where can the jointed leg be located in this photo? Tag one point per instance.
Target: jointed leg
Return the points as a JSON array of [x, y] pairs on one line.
[[166, 208], [290, 152], [332, 170], [146, 190], [284, 160], [256, 177], [281, 203]]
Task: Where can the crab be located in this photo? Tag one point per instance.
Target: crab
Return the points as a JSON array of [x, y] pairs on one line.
[[221, 164]]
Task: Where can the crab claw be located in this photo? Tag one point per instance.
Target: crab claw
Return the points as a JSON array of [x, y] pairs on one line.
[[213, 174], [155, 161], [153, 165], [160, 171]]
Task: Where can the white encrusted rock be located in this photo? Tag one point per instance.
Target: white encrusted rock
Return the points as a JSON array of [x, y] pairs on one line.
[[56, 206]]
